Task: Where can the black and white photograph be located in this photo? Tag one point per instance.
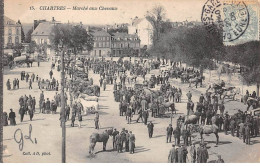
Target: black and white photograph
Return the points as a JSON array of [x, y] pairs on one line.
[[130, 81]]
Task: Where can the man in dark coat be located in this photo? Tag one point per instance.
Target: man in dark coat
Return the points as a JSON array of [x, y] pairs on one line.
[[232, 126], [169, 131], [30, 84], [180, 154], [193, 153], [127, 141], [131, 142], [247, 133], [202, 154], [177, 135], [118, 143], [67, 108], [185, 152], [114, 134], [150, 127], [21, 112], [12, 118], [48, 105]]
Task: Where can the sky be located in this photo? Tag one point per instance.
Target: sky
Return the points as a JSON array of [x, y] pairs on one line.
[[176, 10]]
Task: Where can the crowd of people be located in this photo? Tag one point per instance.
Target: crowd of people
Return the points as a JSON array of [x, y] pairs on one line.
[[139, 100]]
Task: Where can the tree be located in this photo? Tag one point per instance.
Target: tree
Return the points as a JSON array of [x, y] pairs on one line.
[[28, 36], [22, 32], [32, 47], [250, 58], [80, 39], [156, 17]]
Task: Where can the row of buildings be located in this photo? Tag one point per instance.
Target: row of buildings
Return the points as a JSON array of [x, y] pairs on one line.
[[139, 35]]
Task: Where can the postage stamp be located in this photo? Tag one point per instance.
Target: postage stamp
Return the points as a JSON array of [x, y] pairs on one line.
[[230, 18]]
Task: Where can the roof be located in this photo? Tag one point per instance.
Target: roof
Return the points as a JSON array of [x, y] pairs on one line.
[[8, 21], [124, 35], [43, 29], [100, 33]]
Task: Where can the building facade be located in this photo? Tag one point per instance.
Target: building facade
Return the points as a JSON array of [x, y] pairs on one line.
[[125, 44], [102, 43], [12, 33], [143, 29]]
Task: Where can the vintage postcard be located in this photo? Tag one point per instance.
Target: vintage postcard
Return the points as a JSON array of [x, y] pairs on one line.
[[130, 81]]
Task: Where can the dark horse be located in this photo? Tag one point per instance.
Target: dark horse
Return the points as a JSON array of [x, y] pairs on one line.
[[99, 137]]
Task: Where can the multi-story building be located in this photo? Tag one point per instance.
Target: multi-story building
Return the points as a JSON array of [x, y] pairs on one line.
[[42, 33], [122, 43], [12, 33], [143, 29], [102, 43]]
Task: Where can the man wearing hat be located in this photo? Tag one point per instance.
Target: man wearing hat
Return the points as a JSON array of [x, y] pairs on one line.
[[169, 133], [185, 152], [172, 155], [177, 135], [180, 154], [150, 127], [204, 154], [226, 122], [131, 142], [193, 153], [114, 134], [12, 117]]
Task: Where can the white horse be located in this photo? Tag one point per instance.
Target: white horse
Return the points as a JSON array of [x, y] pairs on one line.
[[90, 105]]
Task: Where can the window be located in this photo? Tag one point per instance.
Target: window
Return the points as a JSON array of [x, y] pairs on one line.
[[136, 31], [42, 41], [107, 38], [112, 45], [121, 45], [16, 39], [95, 44], [100, 38], [104, 38], [10, 39], [17, 31], [10, 31], [107, 44], [48, 41]]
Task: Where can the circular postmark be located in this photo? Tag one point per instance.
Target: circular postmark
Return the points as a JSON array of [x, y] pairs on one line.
[[229, 18]]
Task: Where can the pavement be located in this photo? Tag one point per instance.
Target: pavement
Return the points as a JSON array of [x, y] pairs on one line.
[[45, 143]]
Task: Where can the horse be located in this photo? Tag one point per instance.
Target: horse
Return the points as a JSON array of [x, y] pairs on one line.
[[99, 137], [209, 129], [168, 105], [191, 119], [231, 93]]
